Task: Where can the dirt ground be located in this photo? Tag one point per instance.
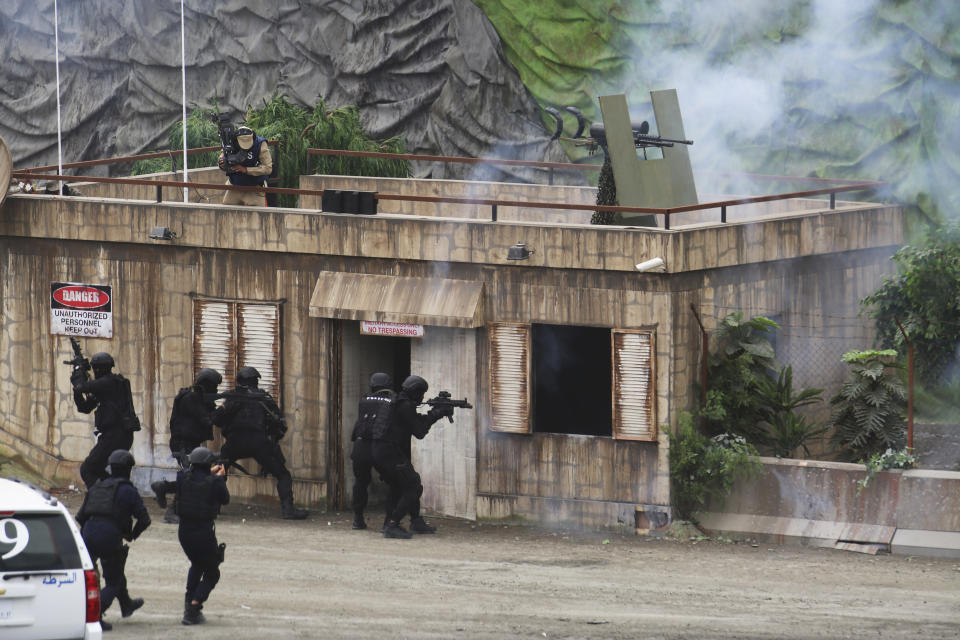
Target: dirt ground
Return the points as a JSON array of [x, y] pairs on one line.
[[320, 579]]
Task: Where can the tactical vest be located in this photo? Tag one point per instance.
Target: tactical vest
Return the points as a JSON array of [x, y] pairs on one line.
[[251, 159], [102, 502], [374, 414], [196, 497]]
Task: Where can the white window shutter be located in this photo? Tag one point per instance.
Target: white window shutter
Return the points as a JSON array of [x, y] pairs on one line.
[[634, 397], [258, 343], [510, 377]]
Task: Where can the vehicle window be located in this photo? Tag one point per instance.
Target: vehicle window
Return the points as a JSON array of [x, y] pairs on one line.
[[37, 541]]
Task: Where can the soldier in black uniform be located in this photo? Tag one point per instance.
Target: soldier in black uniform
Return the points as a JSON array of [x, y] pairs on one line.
[[106, 521], [191, 421], [373, 418], [109, 394], [200, 491], [252, 424], [392, 458]]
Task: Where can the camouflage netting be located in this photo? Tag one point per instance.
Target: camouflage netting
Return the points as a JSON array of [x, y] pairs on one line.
[[864, 89], [430, 71]]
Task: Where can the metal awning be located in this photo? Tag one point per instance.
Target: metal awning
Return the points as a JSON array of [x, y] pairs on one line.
[[428, 301]]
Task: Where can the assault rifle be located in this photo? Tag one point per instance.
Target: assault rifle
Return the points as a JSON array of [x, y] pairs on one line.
[[81, 366], [443, 399]]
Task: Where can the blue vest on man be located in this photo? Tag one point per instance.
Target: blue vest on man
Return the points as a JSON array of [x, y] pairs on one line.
[[252, 159]]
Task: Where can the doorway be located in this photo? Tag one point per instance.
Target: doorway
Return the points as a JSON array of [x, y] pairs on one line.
[[364, 355]]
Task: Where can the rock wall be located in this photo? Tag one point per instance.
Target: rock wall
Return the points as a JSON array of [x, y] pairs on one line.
[[430, 71]]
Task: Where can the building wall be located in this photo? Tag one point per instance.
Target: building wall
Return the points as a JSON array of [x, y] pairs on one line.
[[580, 275]]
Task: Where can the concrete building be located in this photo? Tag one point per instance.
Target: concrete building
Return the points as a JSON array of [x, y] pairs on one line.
[[575, 362]]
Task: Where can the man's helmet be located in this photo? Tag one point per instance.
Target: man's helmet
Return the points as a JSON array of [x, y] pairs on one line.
[[201, 456], [120, 458], [415, 387], [247, 377], [101, 360], [245, 137], [208, 378], [380, 381]]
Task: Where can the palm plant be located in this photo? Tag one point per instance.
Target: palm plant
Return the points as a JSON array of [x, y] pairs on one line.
[[786, 430], [868, 410]]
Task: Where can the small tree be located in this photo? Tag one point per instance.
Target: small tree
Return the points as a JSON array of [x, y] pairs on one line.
[[606, 195], [868, 410], [925, 296]]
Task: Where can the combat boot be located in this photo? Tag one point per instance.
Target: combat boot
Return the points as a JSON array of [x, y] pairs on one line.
[[106, 626], [290, 512], [358, 521], [419, 525], [158, 493], [192, 615], [129, 605], [394, 530], [170, 515]]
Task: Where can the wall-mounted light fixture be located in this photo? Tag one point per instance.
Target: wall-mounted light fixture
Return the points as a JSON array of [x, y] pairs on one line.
[[519, 251], [654, 264], [162, 233]]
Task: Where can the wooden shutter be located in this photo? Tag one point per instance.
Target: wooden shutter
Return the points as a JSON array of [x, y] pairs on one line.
[[510, 377], [634, 407], [258, 343], [213, 340]]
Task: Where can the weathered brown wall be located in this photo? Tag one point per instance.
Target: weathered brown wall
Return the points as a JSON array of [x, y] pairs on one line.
[[579, 275]]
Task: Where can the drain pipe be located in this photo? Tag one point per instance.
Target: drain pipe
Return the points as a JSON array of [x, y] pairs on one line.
[[909, 384]]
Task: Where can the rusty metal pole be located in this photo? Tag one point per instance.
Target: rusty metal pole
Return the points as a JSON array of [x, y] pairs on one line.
[[703, 365], [909, 384]]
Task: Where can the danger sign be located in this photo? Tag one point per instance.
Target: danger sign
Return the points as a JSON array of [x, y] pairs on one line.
[[81, 309]]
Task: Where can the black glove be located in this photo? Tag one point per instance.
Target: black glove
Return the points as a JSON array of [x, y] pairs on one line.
[[442, 411], [77, 377]]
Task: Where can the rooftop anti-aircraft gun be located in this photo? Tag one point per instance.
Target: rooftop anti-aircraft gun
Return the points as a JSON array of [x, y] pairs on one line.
[[598, 137]]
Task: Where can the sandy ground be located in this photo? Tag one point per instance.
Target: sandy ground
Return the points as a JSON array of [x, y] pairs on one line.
[[320, 579]]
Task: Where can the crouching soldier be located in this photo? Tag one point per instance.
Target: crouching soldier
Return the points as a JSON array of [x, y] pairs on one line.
[[191, 422], [106, 521], [200, 491]]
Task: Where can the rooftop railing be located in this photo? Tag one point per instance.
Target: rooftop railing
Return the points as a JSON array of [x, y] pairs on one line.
[[825, 186]]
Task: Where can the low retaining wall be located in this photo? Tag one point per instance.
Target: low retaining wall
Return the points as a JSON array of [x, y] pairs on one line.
[[915, 511]]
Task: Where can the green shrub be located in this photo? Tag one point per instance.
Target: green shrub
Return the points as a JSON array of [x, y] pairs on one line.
[[868, 412], [786, 431], [702, 468], [889, 459], [295, 129]]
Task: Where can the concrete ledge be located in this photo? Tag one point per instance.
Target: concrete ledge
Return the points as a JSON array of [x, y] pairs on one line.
[[814, 502], [798, 530], [916, 542]]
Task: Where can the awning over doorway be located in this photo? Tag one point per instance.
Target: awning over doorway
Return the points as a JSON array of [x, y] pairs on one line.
[[428, 301]]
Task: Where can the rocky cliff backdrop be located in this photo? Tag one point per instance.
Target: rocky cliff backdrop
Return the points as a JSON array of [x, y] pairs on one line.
[[430, 71]]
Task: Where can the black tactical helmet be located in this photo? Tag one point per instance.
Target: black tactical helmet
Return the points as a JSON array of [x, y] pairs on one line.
[[209, 378], [415, 387], [120, 458], [247, 376], [380, 381], [201, 456], [101, 360]]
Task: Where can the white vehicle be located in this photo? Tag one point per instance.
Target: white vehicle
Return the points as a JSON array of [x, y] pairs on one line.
[[48, 586]]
